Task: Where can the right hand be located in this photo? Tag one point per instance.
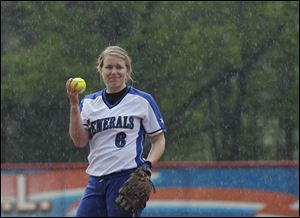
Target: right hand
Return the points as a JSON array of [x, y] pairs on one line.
[[72, 95]]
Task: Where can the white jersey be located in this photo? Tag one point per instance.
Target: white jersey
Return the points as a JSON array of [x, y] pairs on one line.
[[117, 132]]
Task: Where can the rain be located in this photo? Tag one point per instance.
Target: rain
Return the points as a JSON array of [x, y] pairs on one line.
[[225, 76]]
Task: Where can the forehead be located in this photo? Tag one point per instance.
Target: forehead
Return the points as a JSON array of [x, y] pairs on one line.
[[113, 59]]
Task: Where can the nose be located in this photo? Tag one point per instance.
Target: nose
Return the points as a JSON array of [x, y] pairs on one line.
[[114, 70]]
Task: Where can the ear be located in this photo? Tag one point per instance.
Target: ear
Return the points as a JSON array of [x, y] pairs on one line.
[[127, 77], [101, 76]]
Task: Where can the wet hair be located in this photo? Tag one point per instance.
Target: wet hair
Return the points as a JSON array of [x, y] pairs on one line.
[[119, 52]]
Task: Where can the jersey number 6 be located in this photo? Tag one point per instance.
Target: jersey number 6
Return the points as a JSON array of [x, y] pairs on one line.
[[120, 139]]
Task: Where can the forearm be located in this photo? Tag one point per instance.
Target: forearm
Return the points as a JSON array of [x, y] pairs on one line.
[[78, 133], [157, 149]]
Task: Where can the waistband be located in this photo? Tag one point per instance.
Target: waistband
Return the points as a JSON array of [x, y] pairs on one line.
[[114, 175]]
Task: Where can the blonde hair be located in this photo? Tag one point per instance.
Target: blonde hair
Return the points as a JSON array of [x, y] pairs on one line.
[[119, 52]]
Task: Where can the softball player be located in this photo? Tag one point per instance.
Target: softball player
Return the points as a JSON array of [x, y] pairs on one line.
[[113, 122]]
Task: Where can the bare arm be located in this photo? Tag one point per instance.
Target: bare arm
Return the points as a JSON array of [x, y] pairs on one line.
[[157, 149], [78, 133]]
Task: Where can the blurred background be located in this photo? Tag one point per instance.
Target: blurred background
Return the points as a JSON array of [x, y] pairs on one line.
[[224, 74]]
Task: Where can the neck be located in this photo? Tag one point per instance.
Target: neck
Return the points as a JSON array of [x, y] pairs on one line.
[[115, 90]]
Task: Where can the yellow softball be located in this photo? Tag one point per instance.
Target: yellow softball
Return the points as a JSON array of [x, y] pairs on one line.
[[81, 85]]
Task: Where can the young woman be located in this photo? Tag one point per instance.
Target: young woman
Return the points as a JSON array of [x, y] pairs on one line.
[[114, 121]]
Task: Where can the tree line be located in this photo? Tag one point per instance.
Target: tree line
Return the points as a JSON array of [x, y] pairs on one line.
[[225, 74]]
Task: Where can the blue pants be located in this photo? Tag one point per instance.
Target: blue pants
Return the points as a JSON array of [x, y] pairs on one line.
[[99, 197]]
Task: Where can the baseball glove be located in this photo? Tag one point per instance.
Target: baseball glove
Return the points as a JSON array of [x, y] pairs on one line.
[[135, 192]]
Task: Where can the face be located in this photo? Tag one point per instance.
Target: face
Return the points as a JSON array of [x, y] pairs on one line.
[[114, 73]]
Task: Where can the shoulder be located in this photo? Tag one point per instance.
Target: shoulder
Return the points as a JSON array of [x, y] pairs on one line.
[[91, 97], [141, 94]]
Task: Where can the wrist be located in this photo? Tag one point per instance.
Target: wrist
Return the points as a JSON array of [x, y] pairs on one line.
[[74, 107], [147, 164]]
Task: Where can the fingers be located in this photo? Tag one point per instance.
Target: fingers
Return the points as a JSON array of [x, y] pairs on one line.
[[71, 90], [72, 94], [68, 82]]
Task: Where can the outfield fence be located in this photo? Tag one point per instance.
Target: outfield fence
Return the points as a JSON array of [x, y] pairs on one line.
[[183, 189]]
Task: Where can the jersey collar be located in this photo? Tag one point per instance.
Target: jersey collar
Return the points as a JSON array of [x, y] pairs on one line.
[[105, 100]]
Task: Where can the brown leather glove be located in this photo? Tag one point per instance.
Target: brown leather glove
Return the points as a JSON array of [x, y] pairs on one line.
[[135, 192]]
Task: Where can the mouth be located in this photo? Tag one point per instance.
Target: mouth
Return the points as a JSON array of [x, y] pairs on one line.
[[114, 78]]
